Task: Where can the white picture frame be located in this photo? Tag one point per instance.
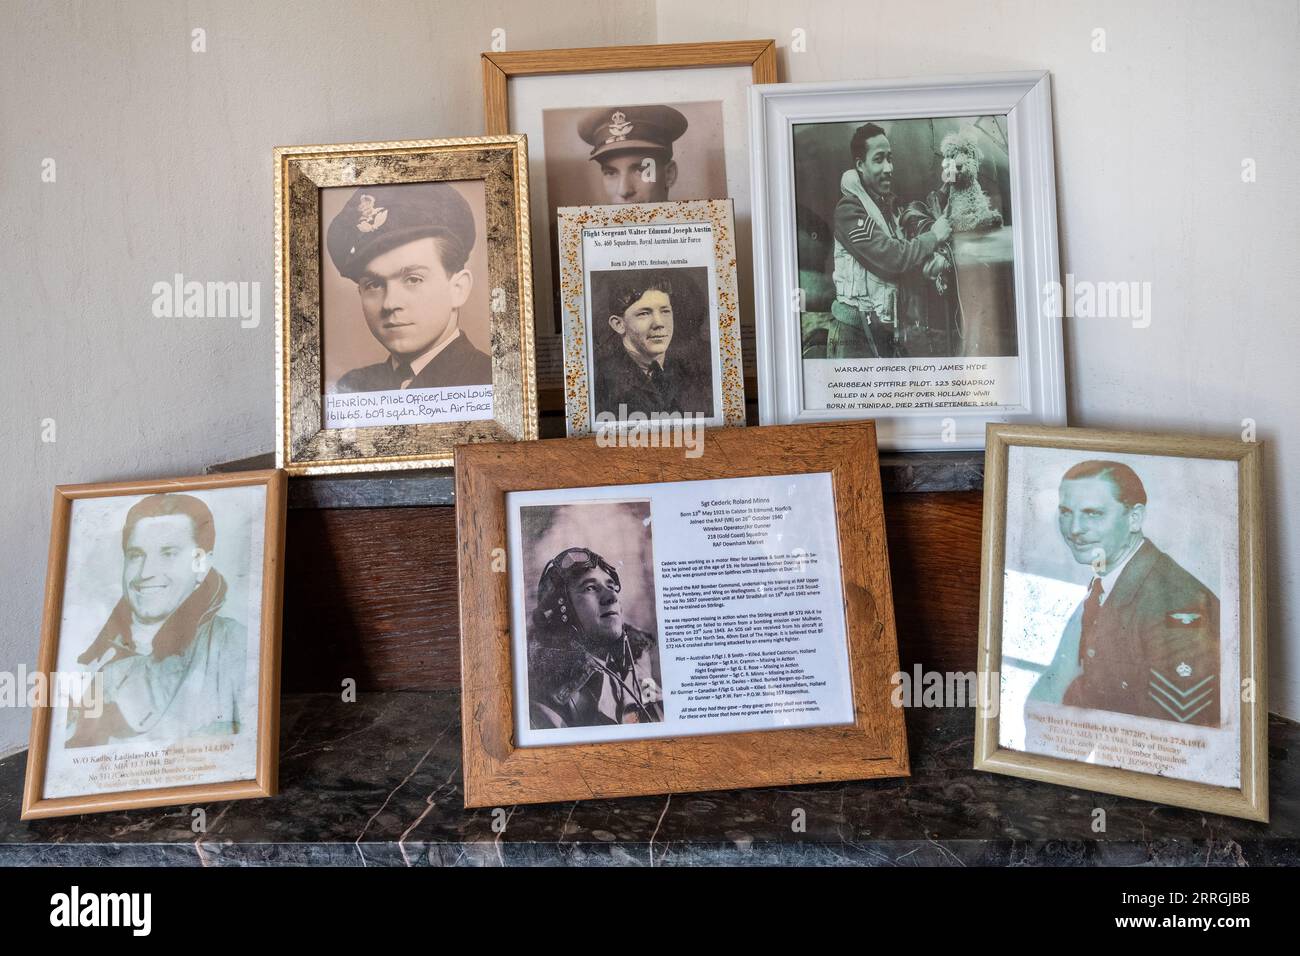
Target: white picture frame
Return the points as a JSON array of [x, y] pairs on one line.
[[1024, 98]]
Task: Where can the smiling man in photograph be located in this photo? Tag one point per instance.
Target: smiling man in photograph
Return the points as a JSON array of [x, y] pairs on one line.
[[170, 664], [878, 270], [406, 247], [1145, 640], [638, 370], [586, 665]]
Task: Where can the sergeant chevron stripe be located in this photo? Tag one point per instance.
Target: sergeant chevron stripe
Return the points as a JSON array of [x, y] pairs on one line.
[[1181, 704]]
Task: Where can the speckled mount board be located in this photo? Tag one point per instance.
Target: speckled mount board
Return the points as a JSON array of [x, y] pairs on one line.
[[642, 240], [303, 444]]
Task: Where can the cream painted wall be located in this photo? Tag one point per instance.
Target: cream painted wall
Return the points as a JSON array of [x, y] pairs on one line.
[[1150, 140], [163, 165]]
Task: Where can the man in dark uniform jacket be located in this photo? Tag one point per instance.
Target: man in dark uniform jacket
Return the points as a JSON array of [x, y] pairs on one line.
[[1145, 641], [586, 666], [637, 372], [406, 247]]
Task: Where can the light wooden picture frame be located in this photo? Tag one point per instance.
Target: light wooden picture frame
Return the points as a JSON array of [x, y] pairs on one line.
[[649, 243], [112, 542], [502, 767], [926, 391], [309, 440], [670, 73], [1146, 683]]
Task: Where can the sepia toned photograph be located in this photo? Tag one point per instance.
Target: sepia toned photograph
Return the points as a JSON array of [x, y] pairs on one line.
[[159, 647], [651, 343], [593, 657], [405, 291], [626, 125], [1121, 618], [634, 153], [905, 238], [404, 302]]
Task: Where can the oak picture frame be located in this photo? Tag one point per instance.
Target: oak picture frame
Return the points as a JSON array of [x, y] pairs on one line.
[[498, 772], [303, 445], [265, 782], [1250, 799]]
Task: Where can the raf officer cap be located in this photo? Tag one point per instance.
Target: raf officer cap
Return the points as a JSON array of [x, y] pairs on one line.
[[379, 218], [617, 129]]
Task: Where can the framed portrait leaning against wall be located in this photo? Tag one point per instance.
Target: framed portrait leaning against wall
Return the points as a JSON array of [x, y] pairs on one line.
[[651, 317], [1122, 631], [677, 622], [404, 314], [160, 645], [904, 243], [619, 125]]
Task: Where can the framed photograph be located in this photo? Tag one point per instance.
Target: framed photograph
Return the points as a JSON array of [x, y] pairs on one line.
[[403, 302], [905, 250], [661, 123], [669, 623], [158, 675], [1122, 616], [651, 316]]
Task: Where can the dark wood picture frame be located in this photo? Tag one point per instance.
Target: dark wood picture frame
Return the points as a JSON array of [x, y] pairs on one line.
[[266, 781], [499, 773]]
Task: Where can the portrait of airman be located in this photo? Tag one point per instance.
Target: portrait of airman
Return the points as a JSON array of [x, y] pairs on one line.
[[407, 248], [632, 149], [587, 665], [1145, 639]]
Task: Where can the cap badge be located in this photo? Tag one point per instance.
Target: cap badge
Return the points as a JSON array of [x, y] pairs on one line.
[[619, 127], [372, 216]]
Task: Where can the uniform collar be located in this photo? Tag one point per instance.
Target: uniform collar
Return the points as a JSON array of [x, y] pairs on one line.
[[419, 364]]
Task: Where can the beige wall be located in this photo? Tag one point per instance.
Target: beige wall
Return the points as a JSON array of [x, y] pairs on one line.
[[1150, 140], [163, 165]]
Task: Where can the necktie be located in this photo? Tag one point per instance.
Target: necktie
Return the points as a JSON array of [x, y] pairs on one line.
[[403, 375], [1091, 607]]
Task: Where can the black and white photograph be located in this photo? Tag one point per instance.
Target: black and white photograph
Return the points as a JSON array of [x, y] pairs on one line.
[[593, 655], [676, 608], [1121, 631], [905, 246], [904, 237], [651, 343]]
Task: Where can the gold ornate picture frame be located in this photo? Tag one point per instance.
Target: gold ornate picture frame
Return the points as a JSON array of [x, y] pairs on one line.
[[689, 249], [1157, 687], [496, 166]]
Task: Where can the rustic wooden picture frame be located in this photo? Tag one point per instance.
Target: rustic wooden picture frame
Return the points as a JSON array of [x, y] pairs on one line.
[[499, 68], [266, 782], [499, 773], [1250, 800], [303, 445], [578, 375]]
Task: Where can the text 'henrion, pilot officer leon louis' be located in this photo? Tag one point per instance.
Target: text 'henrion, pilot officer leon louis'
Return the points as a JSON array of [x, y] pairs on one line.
[[586, 667], [406, 247], [1145, 640]]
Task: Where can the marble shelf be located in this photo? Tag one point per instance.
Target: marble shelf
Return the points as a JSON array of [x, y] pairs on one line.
[[378, 783]]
